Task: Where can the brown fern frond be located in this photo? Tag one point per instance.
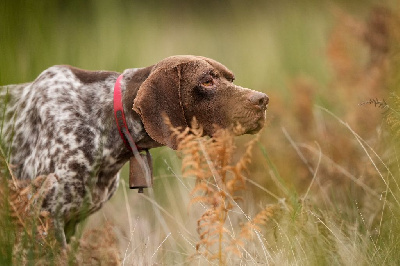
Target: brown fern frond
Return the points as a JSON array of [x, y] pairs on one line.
[[377, 103], [24, 198], [98, 246], [218, 179], [261, 218], [249, 228], [204, 200], [392, 115], [245, 160]]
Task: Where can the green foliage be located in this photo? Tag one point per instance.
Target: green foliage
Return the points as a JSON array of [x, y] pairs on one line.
[[332, 183]]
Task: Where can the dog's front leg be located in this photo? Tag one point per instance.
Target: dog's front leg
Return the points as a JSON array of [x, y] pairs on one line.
[[59, 231], [53, 202]]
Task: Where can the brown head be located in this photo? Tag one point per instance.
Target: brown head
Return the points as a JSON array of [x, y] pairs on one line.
[[183, 87]]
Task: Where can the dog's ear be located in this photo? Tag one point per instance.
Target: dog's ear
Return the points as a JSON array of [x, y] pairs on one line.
[[159, 95]]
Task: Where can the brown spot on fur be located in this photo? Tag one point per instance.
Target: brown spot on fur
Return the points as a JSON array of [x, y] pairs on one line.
[[52, 166], [77, 167], [86, 76], [68, 195], [134, 83], [67, 130], [48, 197]]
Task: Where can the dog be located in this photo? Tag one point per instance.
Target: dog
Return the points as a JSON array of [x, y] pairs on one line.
[[63, 124]]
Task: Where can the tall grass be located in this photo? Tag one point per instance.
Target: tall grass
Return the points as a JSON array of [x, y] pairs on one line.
[[322, 186]]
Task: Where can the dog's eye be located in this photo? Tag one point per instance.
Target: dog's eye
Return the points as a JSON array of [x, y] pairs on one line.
[[208, 83]]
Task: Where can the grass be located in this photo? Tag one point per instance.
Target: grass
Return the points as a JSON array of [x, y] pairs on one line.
[[323, 183]]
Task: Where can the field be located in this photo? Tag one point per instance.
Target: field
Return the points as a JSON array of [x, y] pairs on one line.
[[319, 185]]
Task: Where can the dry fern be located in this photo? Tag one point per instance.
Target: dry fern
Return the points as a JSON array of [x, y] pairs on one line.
[[98, 247], [248, 230], [218, 181], [32, 235], [21, 201], [392, 115], [391, 112], [27, 228]]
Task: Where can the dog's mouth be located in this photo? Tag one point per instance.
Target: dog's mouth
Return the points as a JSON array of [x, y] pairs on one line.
[[257, 126], [253, 126]]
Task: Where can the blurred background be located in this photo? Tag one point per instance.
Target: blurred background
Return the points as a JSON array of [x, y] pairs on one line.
[[315, 59]]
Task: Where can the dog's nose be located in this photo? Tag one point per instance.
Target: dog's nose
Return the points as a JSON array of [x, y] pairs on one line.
[[259, 99]]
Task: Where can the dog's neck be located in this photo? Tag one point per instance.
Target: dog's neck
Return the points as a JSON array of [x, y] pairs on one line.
[[120, 120], [130, 84]]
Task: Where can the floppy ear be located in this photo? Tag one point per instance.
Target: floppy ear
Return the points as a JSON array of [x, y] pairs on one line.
[[160, 94]]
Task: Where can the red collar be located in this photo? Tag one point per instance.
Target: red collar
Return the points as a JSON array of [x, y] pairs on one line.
[[120, 118]]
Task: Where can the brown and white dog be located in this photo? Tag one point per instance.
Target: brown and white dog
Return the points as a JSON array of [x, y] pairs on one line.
[[62, 124]]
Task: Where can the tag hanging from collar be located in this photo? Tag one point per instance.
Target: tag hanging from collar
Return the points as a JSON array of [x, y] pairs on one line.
[[140, 170]]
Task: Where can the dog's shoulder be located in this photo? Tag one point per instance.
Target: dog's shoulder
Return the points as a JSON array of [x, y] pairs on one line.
[[70, 73], [89, 76]]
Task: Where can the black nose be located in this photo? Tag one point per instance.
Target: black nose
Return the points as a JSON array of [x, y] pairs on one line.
[[259, 99]]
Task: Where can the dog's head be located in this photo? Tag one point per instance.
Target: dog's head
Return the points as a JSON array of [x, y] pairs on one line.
[[183, 87]]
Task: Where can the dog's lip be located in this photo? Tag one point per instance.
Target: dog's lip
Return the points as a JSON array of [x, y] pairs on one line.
[[255, 130], [258, 125]]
